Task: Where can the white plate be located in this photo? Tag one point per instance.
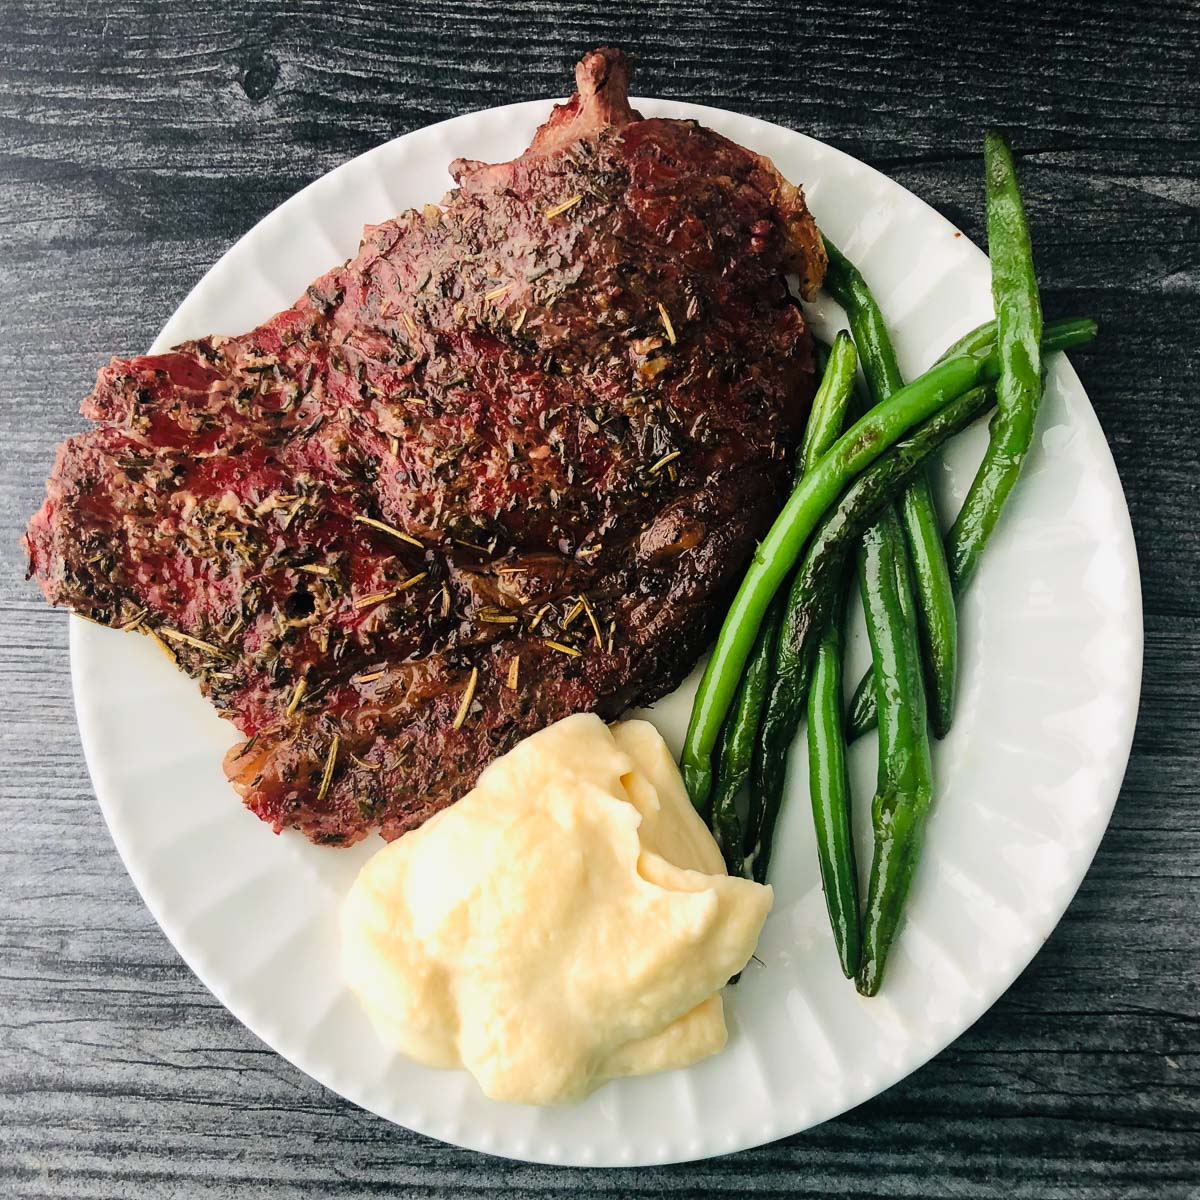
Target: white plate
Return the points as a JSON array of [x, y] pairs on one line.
[[1052, 642]]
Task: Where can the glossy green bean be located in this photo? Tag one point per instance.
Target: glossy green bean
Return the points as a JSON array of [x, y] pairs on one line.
[[740, 729], [738, 736], [1058, 336], [779, 550], [829, 790], [1064, 334], [1018, 339], [905, 774], [830, 403], [846, 285], [861, 716], [918, 525], [905, 785], [828, 782], [811, 597]]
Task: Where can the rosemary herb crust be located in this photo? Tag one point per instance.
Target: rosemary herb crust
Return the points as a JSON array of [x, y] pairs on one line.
[[503, 465]]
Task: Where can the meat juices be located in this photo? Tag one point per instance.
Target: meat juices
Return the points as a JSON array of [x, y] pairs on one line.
[[506, 464]]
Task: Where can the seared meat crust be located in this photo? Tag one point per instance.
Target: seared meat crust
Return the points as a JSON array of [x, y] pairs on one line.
[[505, 464]]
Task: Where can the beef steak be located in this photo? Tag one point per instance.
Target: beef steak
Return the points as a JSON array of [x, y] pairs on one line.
[[504, 465]]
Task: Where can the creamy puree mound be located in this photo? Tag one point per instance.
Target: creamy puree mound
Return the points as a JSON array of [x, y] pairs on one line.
[[566, 922]]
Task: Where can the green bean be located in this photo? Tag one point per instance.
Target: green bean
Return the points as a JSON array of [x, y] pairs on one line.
[[829, 406], [905, 774], [905, 787], [918, 526], [829, 790], [1018, 338], [738, 735], [1065, 334], [780, 549], [811, 598], [740, 729], [936, 612], [847, 286], [862, 714], [829, 786]]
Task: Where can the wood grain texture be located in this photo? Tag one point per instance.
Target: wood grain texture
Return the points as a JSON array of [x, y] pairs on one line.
[[139, 139]]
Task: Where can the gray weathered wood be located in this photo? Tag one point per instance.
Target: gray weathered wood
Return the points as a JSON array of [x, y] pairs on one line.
[[139, 139]]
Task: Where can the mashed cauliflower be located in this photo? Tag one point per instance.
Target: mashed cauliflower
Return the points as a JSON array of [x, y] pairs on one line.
[[568, 921]]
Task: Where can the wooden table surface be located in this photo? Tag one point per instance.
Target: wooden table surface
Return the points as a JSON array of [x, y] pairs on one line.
[[139, 141]]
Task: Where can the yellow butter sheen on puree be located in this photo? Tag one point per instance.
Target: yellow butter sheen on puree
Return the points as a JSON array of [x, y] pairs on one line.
[[566, 922]]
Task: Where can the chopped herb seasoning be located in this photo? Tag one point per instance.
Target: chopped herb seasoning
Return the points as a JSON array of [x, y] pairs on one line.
[[330, 763], [576, 609], [290, 515], [491, 616], [468, 696], [246, 747], [373, 599], [162, 646], [666, 323], [591, 615], [384, 527], [666, 460], [195, 643], [297, 696], [556, 210], [136, 620]]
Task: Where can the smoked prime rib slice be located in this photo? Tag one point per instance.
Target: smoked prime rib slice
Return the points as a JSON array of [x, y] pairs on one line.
[[506, 464]]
